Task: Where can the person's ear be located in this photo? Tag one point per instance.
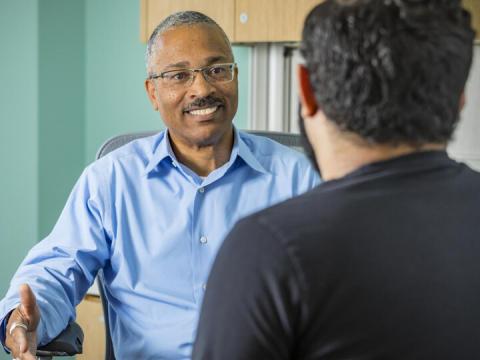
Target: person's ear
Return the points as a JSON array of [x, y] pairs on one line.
[[462, 102], [307, 95], [151, 90]]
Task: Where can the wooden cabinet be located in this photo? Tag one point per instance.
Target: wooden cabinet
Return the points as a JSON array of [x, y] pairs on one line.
[[154, 11], [271, 20], [474, 7], [250, 21], [244, 21], [90, 318]]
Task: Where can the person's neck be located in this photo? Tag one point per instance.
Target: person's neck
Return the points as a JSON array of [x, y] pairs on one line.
[[346, 153], [203, 159]]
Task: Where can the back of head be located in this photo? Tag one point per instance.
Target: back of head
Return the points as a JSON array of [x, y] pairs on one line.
[[390, 71]]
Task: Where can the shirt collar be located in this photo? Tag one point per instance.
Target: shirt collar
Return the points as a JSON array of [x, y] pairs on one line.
[[246, 154], [162, 151], [240, 149]]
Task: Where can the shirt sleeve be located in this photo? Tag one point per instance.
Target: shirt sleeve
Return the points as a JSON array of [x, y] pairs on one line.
[[308, 177], [3, 331], [252, 304], [62, 267]]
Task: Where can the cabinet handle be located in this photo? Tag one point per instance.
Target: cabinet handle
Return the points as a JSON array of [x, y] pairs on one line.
[[243, 17]]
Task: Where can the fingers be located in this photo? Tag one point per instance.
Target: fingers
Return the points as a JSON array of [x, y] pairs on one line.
[[20, 337], [28, 307], [26, 356], [18, 343], [27, 300], [21, 332], [21, 343], [16, 335]]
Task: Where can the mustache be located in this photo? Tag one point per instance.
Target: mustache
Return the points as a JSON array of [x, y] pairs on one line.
[[208, 101]]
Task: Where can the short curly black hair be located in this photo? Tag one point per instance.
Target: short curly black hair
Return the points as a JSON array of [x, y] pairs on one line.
[[391, 71]]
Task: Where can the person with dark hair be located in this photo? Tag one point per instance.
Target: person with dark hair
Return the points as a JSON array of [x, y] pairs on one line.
[[381, 260], [152, 214]]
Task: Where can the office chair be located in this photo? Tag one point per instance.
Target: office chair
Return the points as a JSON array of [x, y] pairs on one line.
[[293, 141], [68, 343]]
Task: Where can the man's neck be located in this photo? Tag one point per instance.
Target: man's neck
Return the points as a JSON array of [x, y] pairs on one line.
[[203, 159], [346, 154]]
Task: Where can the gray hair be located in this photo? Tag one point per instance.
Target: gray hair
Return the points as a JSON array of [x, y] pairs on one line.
[[182, 18]]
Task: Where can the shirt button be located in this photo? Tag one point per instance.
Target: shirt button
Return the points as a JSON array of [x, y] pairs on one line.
[[202, 190], [174, 164], [203, 239], [204, 287]]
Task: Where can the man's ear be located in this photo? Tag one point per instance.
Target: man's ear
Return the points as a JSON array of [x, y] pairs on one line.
[[151, 92], [307, 95]]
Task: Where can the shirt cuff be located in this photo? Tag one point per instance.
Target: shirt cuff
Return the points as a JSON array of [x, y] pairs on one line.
[[3, 331]]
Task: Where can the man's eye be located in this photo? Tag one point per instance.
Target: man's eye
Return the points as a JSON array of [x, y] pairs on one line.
[[179, 76], [217, 70]]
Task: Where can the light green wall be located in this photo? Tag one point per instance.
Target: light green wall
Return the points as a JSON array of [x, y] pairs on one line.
[[41, 120], [115, 97], [61, 55], [242, 57], [18, 133]]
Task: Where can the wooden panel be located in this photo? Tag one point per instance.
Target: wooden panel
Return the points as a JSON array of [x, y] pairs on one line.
[[474, 7], [271, 20], [222, 11], [253, 19], [250, 20], [90, 318], [302, 10], [305, 6]]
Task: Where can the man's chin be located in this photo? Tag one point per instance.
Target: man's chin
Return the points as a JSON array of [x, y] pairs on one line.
[[210, 133]]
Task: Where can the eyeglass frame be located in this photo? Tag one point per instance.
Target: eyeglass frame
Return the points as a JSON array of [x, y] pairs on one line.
[[197, 70]]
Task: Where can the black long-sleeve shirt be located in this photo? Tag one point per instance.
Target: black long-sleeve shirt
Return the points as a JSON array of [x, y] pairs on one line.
[[381, 264]]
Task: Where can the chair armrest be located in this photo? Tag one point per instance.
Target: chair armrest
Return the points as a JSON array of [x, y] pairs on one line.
[[68, 343]]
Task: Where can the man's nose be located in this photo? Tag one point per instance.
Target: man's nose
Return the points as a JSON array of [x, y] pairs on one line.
[[200, 86]]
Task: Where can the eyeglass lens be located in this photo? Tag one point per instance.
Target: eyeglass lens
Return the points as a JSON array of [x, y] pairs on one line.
[[214, 73]]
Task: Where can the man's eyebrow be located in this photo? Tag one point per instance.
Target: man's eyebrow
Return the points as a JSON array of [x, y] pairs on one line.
[[185, 64], [181, 65], [214, 59]]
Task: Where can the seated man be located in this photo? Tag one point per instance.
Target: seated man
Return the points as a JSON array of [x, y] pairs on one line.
[[381, 261], [153, 213]]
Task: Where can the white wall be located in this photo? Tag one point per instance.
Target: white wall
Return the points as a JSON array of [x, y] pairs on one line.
[[466, 143]]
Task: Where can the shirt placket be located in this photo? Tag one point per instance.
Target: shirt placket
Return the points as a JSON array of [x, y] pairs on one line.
[[199, 243]]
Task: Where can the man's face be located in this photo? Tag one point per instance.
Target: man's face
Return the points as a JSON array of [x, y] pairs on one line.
[[192, 47]]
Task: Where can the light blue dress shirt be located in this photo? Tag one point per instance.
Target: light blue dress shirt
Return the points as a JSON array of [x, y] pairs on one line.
[[154, 226]]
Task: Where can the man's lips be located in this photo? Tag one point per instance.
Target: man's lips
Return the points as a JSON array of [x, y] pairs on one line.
[[203, 111]]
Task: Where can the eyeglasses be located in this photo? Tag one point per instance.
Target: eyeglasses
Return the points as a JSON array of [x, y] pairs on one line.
[[217, 73]]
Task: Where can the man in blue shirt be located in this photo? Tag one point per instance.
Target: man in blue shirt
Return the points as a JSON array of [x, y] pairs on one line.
[[153, 213]]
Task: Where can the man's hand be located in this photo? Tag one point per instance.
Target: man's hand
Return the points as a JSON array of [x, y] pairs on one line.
[[22, 326]]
